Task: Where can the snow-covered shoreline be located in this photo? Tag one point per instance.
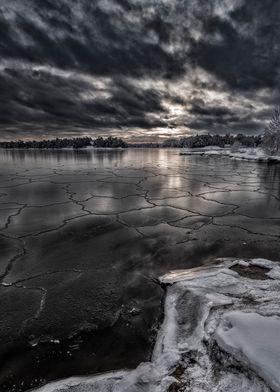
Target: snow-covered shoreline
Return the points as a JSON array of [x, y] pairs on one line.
[[246, 154], [220, 332]]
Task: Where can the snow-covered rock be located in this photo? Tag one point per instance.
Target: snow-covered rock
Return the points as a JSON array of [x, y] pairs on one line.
[[246, 154], [220, 333]]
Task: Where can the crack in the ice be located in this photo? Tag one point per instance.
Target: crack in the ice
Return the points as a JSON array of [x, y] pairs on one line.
[[11, 262]]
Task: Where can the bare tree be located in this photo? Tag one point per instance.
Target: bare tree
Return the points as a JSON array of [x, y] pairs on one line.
[[271, 140]]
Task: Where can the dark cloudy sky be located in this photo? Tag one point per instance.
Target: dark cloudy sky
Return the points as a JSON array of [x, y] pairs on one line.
[[139, 69]]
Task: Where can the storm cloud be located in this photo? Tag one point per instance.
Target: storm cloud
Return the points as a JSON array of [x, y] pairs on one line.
[[139, 69]]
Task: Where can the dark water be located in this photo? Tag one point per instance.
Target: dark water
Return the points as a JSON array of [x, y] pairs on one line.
[[83, 235]]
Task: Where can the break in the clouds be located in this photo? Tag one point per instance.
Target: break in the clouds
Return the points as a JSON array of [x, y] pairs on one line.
[[139, 69]]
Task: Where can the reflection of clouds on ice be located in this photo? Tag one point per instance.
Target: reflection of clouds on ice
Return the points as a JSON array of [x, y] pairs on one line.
[[220, 332]]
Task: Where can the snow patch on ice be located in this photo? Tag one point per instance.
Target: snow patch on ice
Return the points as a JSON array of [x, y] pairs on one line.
[[254, 340]]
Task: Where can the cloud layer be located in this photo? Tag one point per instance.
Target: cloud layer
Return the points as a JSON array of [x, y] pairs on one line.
[[140, 69]]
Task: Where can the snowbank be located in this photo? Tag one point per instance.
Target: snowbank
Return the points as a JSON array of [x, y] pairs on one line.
[[253, 338], [220, 333], [247, 154]]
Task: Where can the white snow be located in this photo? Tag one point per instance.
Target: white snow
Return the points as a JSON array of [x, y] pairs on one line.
[[254, 340], [215, 320], [243, 153]]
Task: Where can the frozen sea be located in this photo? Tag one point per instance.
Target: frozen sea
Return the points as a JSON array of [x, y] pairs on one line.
[[84, 235]]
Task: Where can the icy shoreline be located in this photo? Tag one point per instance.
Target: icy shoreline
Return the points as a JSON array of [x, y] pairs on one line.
[[243, 154], [220, 333]]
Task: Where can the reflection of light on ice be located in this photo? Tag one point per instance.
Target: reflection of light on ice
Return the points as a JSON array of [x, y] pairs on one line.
[[179, 275], [174, 182], [206, 308]]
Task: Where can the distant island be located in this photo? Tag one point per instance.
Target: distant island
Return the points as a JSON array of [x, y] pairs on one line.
[[196, 141]]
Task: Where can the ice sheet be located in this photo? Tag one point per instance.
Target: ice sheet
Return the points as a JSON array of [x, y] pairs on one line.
[[220, 333]]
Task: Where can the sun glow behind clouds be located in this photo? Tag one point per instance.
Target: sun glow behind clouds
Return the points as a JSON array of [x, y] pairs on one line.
[[140, 69]]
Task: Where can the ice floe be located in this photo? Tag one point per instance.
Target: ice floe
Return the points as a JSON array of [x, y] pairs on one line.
[[221, 332]]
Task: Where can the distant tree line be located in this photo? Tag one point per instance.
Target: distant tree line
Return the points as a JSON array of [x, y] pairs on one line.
[[112, 142], [199, 141], [78, 142], [115, 142]]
